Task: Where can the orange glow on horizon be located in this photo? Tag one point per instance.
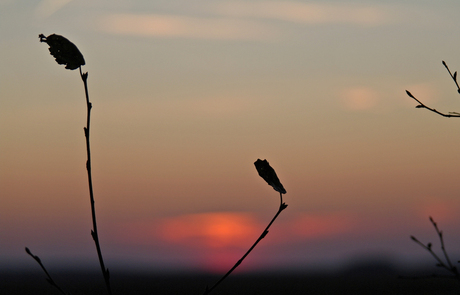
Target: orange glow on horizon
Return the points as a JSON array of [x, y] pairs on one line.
[[210, 230], [218, 239]]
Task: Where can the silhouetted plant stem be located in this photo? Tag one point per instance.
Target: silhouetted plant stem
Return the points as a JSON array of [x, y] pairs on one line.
[[66, 53], [423, 106], [49, 279], [453, 76], [440, 263], [264, 233], [105, 271]]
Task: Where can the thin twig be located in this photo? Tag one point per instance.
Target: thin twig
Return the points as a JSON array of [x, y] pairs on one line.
[[428, 248], [105, 271], [49, 279], [454, 76], [441, 238], [422, 105], [264, 233], [447, 265]]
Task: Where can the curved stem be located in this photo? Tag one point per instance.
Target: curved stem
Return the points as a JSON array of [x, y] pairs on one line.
[[264, 233], [105, 271]]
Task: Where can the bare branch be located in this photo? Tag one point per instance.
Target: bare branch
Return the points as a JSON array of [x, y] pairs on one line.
[[446, 265], [441, 238], [422, 105], [454, 76], [49, 278]]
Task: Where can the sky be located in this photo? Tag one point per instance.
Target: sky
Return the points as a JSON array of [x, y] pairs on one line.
[[187, 95]]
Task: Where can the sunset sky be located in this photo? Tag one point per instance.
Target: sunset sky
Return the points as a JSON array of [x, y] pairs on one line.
[[188, 94]]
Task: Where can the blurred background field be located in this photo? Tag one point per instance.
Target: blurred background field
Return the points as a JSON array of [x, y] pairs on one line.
[[357, 279]]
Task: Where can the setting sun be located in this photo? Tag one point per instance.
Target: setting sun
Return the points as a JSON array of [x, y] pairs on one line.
[[210, 230]]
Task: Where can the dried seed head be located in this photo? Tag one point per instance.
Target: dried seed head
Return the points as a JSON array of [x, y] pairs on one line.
[[269, 175], [64, 51]]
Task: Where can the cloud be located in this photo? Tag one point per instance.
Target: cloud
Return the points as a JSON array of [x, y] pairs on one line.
[[48, 7], [174, 26], [359, 98], [306, 13], [238, 20]]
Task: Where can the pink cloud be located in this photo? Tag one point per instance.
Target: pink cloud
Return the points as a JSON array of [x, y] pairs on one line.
[[174, 26], [359, 98]]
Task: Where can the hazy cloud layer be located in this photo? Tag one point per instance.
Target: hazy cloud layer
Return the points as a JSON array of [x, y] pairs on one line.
[[183, 26], [241, 20], [48, 7], [359, 98], [305, 13]]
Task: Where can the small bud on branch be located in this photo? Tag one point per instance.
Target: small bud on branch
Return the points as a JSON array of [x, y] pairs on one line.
[[269, 175]]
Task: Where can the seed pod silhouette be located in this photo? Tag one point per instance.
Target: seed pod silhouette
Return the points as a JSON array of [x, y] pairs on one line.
[[64, 51], [269, 175]]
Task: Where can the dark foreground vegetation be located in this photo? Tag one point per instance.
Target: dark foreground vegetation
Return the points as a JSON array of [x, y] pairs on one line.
[[360, 279]]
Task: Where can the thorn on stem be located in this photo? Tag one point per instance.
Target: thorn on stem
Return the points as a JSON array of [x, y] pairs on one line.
[[264, 234]]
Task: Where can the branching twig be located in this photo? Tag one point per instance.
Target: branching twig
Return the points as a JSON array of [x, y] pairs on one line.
[[49, 279], [454, 76], [422, 105], [440, 263]]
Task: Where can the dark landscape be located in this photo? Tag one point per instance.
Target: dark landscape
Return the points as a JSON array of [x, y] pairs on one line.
[[358, 279]]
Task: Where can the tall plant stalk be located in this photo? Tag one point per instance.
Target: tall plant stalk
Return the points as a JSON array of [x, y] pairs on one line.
[[94, 234], [66, 53]]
